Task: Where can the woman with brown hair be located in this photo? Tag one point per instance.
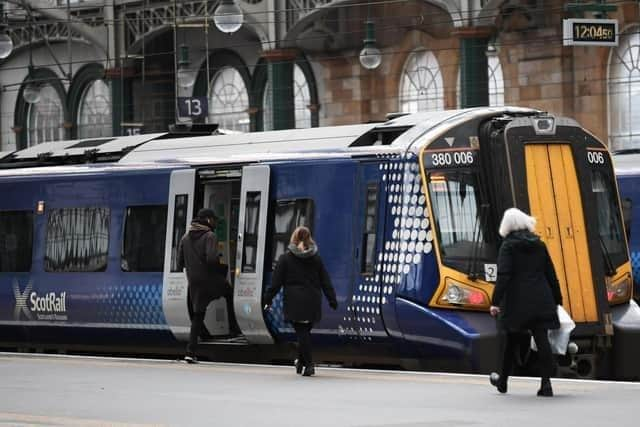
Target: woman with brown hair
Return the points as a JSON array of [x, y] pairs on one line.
[[302, 274]]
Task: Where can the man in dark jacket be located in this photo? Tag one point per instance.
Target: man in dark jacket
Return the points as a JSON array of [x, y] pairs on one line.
[[198, 253]]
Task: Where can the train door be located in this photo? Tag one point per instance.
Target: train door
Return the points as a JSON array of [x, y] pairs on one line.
[[174, 289], [250, 254], [555, 200], [222, 196], [365, 320]]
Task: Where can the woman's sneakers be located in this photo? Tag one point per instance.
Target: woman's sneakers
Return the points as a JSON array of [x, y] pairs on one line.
[[545, 388], [498, 383]]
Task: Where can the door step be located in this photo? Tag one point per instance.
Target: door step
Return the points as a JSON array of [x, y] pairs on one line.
[[237, 340]]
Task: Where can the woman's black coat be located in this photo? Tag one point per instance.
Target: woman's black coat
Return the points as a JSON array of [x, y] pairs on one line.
[[304, 279], [527, 290]]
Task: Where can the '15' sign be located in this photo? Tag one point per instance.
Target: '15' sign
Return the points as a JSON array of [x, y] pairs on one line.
[[194, 107]]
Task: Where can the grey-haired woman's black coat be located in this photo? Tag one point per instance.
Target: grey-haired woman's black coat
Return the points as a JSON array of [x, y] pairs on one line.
[[527, 290], [304, 279]]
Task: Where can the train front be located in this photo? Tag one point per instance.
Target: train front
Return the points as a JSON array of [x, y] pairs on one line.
[[562, 175]]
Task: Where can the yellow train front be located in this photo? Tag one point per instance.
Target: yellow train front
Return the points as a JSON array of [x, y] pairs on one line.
[[561, 174]]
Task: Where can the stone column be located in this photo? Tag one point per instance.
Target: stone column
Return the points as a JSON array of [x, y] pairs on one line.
[[280, 74], [474, 76]]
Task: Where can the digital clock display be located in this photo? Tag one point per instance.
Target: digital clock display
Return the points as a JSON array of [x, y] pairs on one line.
[[590, 32]]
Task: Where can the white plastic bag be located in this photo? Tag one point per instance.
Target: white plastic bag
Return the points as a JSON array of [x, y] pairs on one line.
[[559, 338]]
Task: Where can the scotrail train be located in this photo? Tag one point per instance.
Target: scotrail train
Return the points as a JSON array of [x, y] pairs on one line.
[[405, 213]]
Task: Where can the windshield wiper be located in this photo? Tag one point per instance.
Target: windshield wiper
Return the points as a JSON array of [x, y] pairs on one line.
[[477, 235], [611, 270]]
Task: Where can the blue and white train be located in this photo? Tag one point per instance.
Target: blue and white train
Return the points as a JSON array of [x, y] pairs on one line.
[[405, 213]]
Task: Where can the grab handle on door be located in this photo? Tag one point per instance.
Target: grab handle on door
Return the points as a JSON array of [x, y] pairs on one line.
[[570, 232], [549, 236]]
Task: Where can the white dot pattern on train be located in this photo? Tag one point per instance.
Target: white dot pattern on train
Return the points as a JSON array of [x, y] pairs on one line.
[[409, 239]]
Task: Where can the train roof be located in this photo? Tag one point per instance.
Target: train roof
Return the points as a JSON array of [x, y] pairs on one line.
[[408, 132], [401, 133], [627, 162]]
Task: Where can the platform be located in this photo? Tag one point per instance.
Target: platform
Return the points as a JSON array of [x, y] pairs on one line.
[[89, 391]]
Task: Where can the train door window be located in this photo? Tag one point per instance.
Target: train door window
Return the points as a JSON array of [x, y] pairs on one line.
[[179, 227], [289, 214], [16, 241], [77, 240], [144, 238], [369, 234], [251, 227], [609, 222]]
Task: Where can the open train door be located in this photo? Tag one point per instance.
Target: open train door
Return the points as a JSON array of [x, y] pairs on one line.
[[174, 289], [250, 254]]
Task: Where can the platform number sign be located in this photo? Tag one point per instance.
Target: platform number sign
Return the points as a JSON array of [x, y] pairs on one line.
[[196, 107], [131, 129]]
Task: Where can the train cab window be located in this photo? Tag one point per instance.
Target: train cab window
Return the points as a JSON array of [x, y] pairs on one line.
[[609, 221], [289, 214], [77, 240], [181, 206], [144, 238], [461, 224], [251, 227], [16, 241], [369, 234]]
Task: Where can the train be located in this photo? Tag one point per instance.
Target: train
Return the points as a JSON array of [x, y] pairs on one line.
[[405, 213]]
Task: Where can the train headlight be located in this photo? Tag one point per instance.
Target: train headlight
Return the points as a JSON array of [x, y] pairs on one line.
[[454, 294], [619, 291], [461, 294]]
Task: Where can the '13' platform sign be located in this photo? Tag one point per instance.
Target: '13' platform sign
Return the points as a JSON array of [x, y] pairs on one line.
[[195, 107]]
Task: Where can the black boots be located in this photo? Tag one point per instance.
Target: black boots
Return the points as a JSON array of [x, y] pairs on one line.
[[498, 382], [299, 366], [545, 388], [309, 371]]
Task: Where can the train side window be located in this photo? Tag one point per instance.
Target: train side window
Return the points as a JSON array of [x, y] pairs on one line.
[[289, 214], [144, 238], [369, 233], [179, 227], [251, 227], [77, 240], [16, 241]]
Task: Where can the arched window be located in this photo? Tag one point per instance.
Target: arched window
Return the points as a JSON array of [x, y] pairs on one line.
[[624, 92], [229, 100], [496, 81], [421, 84], [45, 118], [301, 99], [94, 115]]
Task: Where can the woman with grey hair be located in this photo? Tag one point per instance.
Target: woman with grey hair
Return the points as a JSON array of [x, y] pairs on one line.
[[526, 295]]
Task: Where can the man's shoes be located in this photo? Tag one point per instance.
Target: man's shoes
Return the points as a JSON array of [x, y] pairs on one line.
[[191, 359], [309, 371], [545, 388], [299, 366], [497, 381]]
